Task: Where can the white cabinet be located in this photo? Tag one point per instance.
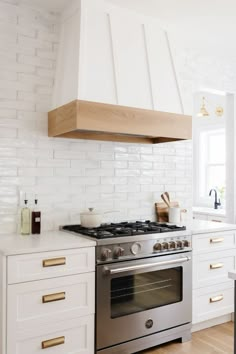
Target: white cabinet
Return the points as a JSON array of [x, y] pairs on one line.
[[74, 336], [113, 55], [209, 217], [214, 254], [45, 265], [51, 302]]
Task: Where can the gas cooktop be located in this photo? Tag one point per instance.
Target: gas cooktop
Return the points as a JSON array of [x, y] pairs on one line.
[[124, 229]]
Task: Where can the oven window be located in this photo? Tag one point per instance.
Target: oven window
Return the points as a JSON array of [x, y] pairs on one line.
[[140, 292]]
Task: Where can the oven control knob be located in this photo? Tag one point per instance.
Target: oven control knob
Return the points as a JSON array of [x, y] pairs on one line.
[[135, 248], [105, 254], [118, 252], [158, 247], [165, 245], [186, 243], [180, 244], [172, 244]]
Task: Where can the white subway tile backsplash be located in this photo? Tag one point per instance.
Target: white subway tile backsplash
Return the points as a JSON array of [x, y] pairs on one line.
[[114, 180], [8, 132], [68, 175], [69, 172], [69, 154], [127, 157], [37, 172]]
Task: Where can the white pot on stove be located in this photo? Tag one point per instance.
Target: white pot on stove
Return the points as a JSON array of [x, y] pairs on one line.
[[92, 218]]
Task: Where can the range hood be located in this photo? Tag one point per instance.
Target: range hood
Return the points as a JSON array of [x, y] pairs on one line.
[[115, 78], [97, 121]]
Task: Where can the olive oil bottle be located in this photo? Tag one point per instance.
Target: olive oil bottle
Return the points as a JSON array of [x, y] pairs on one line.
[[25, 219]]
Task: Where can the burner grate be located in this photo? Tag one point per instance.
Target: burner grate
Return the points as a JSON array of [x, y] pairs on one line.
[[123, 229]]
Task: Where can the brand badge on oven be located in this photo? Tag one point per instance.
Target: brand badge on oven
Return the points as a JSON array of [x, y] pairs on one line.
[[149, 323]]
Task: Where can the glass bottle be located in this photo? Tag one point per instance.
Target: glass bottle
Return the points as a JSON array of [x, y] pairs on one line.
[[25, 219], [36, 219]]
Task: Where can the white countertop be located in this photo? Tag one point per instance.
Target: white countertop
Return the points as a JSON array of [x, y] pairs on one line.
[[232, 274], [47, 241], [203, 226], [58, 240], [209, 211]]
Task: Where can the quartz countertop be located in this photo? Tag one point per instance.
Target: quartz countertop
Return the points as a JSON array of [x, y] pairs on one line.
[[47, 241], [232, 274], [204, 226], [209, 211], [61, 240]]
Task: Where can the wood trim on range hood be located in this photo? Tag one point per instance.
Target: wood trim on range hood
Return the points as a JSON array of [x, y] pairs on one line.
[[98, 121]]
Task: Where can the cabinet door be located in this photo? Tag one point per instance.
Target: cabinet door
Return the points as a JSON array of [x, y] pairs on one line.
[[214, 241], [130, 60], [212, 268], [40, 302], [212, 302], [75, 336], [44, 265]]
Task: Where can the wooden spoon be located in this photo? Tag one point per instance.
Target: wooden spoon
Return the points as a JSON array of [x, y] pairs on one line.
[[165, 199], [168, 196]]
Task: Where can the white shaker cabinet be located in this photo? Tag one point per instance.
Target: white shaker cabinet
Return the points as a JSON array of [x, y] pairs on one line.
[[50, 299], [214, 255], [113, 55]]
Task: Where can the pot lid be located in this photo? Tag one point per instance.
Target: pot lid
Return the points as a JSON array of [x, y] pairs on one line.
[[90, 211]]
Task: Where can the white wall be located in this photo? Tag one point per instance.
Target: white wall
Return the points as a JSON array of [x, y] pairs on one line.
[[68, 175]]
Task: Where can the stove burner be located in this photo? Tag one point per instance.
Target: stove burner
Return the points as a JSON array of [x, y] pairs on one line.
[[124, 229]]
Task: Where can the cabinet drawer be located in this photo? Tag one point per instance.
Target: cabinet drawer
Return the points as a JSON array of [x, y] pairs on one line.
[[216, 218], [212, 302], [40, 302], [212, 268], [213, 241], [68, 337], [45, 265]]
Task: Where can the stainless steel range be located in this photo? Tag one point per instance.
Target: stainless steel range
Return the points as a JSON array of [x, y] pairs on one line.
[[144, 285]]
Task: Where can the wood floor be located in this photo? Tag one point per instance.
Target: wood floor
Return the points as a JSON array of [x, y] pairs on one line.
[[214, 340]]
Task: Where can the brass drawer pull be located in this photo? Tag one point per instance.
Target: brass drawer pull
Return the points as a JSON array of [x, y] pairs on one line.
[[53, 297], [54, 262], [216, 298], [217, 240], [216, 265], [53, 342]]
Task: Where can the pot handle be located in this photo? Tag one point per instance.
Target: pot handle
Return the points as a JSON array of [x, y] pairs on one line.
[[111, 211]]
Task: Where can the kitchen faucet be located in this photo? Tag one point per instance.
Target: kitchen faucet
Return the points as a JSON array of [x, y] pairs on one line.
[[217, 202]]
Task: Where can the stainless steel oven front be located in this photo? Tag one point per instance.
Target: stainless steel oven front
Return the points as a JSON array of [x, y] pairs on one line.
[[141, 297]]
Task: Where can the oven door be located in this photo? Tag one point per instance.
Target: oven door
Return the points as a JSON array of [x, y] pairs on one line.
[[140, 297]]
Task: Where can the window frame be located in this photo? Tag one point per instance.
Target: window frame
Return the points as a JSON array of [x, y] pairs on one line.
[[200, 176]]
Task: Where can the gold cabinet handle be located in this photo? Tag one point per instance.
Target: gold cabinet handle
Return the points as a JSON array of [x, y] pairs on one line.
[[53, 297], [216, 265], [53, 342], [216, 298], [54, 262], [217, 240]]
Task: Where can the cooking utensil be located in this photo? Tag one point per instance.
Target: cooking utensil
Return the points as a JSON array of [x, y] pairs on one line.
[[92, 218], [166, 200], [168, 196]]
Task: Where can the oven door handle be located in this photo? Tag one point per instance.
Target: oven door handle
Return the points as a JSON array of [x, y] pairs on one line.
[[110, 271]]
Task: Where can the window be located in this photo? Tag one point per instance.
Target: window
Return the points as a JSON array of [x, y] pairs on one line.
[[211, 163]]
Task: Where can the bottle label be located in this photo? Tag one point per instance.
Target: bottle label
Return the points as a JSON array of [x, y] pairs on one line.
[[37, 219]]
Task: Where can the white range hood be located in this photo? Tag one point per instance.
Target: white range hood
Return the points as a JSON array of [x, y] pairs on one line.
[[109, 59]]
